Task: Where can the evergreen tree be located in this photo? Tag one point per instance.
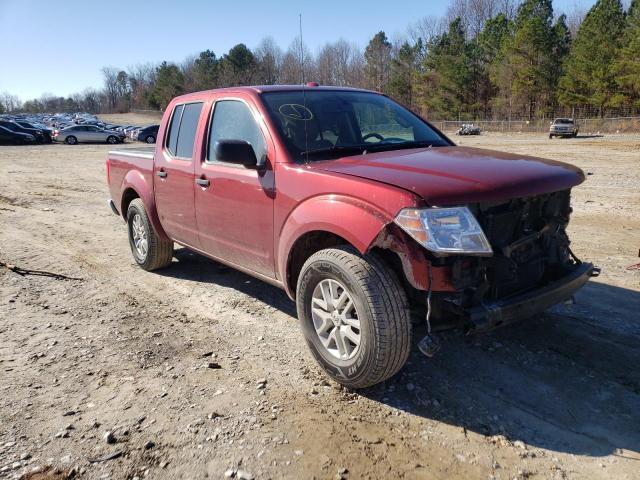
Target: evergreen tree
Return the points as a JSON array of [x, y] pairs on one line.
[[169, 84], [493, 42], [447, 89], [401, 79], [561, 48], [377, 57], [627, 65], [589, 77], [206, 70], [238, 67], [531, 56]]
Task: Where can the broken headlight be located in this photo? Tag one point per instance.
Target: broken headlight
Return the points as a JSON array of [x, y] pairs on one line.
[[445, 230]]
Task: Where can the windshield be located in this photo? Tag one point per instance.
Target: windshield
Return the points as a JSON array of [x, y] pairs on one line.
[[317, 124], [563, 121]]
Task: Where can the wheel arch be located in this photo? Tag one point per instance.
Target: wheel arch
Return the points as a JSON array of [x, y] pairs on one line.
[[135, 185], [322, 222]]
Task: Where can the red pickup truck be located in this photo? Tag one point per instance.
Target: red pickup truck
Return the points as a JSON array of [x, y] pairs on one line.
[[364, 213]]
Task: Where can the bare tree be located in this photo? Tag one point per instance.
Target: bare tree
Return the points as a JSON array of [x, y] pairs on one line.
[[11, 103], [110, 76], [187, 67], [269, 57], [426, 28], [142, 77], [574, 17], [297, 64], [474, 13]]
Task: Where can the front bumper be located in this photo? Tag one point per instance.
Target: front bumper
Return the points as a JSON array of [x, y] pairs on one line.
[[493, 314]]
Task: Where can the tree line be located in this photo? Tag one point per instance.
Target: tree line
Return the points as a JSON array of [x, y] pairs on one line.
[[485, 59]]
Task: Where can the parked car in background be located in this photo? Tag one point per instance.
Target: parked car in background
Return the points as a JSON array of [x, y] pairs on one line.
[[87, 134], [148, 134], [468, 129], [563, 127], [15, 138], [39, 135], [48, 132]]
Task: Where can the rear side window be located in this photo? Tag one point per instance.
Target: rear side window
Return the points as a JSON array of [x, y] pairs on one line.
[[172, 138], [188, 126], [232, 120], [182, 129]]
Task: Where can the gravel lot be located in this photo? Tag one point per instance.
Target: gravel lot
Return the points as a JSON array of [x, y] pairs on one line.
[[113, 372]]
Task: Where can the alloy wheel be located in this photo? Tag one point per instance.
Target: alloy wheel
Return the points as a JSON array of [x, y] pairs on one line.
[[139, 235], [336, 319]]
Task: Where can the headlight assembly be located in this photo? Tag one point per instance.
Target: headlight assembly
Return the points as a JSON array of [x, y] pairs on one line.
[[445, 230]]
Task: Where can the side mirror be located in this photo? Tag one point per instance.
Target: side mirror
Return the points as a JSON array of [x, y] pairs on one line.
[[236, 151]]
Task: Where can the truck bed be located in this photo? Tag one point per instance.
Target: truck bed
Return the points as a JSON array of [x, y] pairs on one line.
[[142, 152]]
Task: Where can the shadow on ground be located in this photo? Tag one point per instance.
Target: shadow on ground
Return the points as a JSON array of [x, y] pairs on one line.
[[566, 381]]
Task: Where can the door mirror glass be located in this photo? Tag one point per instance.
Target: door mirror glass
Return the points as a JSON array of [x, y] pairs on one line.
[[235, 151]]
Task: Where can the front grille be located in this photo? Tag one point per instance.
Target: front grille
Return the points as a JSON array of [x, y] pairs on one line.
[[528, 239]]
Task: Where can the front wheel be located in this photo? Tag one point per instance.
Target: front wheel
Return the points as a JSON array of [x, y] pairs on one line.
[[354, 316], [150, 139], [149, 250], [112, 140]]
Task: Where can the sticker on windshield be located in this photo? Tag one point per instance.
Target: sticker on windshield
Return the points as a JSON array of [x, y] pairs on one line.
[[295, 111]]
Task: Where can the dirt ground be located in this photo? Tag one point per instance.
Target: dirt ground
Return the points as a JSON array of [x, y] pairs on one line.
[[107, 373]]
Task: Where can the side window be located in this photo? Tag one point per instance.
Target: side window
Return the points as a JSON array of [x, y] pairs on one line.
[[188, 127], [172, 137], [232, 120]]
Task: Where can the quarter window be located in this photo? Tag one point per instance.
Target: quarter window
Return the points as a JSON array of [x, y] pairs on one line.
[[232, 120], [172, 138], [188, 127]]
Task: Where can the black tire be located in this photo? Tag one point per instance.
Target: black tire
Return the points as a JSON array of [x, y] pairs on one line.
[[382, 308], [159, 252], [150, 139], [112, 139], [550, 137], [71, 140]]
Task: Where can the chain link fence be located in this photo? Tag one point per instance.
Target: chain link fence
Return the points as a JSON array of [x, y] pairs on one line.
[[587, 126]]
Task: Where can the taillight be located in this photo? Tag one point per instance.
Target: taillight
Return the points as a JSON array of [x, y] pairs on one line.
[[108, 172]]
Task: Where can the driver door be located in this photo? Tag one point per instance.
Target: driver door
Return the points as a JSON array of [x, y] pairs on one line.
[[234, 204]]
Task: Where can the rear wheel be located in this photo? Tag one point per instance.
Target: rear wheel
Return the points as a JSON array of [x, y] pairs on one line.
[[150, 139], [354, 315], [71, 140], [550, 136], [149, 250]]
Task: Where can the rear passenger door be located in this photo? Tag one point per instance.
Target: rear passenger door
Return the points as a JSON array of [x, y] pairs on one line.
[[234, 204], [94, 134], [174, 174]]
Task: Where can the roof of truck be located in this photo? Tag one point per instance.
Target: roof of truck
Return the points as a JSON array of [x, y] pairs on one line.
[[274, 88]]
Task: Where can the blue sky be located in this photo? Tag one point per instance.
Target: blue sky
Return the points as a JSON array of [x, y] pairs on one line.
[[59, 46]]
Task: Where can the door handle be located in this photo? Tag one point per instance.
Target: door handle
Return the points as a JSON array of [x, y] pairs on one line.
[[162, 174], [203, 182]]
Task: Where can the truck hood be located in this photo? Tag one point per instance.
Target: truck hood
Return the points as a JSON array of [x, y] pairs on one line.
[[458, 175]]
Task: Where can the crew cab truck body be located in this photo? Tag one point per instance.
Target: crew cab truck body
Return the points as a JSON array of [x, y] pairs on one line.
[[360, 210]]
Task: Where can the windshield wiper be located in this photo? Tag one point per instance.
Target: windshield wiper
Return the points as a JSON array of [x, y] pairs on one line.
[[335, 149], [376, 147], [366, 148]]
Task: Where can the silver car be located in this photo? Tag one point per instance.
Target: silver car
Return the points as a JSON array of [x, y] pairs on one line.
[[563, 127], [87, 133]]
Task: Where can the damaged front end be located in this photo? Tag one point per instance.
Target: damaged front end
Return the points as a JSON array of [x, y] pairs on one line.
[[531, 269]]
